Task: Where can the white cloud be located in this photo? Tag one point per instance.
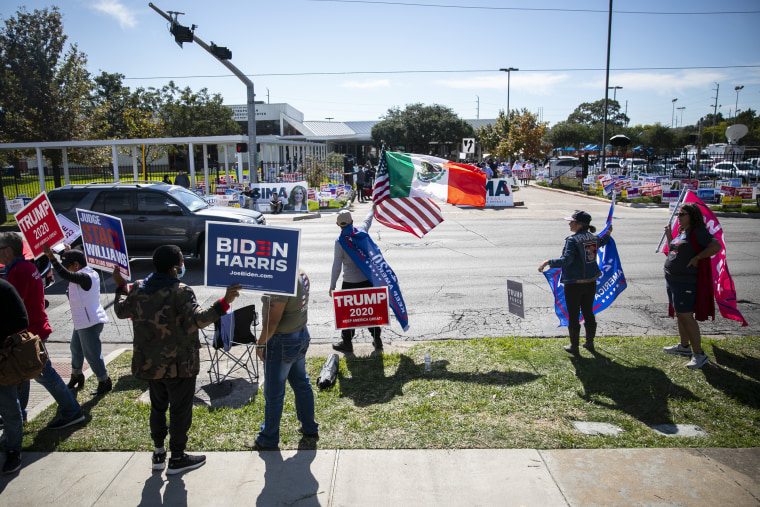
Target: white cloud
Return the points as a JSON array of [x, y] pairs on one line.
[[534, 83], [662, 83], [379, 83], [116, 9]]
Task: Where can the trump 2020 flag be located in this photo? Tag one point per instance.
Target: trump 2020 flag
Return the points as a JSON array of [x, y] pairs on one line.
[[608, 286], [436, 178]]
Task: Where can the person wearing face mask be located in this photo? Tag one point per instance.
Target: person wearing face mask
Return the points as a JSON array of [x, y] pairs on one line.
[[88, 316], [165, 319]]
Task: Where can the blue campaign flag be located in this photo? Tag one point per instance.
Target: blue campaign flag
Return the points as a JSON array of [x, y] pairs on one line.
[[608, 286], [103, 240], [261, 258]]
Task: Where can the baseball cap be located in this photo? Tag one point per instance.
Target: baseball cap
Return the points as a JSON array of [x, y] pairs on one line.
[[344, 218], [579, 216], [70, 257]]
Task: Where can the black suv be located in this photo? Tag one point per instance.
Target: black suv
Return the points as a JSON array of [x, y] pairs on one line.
[[152, 214]]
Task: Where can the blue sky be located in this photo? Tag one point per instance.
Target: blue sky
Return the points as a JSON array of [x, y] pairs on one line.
[[659, 51]]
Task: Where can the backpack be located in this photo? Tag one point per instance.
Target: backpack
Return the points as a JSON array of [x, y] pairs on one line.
[[22, 357]]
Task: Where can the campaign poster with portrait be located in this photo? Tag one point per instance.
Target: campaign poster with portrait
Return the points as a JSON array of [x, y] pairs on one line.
[[103, 240], [261, 258], [294, 195]]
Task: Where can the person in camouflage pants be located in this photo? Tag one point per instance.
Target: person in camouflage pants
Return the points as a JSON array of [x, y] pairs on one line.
[[165, 319]]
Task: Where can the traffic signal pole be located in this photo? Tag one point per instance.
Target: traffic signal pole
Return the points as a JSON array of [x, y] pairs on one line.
[[251, 96]]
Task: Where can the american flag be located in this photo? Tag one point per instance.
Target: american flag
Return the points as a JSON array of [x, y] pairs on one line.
[[417, 215]]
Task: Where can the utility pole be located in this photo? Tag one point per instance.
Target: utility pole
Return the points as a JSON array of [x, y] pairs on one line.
[[478, 102], [509, 71], [185, 34], [606, 89], [715, 111], [673, 114]]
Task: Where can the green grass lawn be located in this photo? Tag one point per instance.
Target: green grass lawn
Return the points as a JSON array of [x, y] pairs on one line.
[[486, 393]]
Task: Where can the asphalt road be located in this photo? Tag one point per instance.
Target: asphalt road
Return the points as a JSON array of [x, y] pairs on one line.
[[454, 279]]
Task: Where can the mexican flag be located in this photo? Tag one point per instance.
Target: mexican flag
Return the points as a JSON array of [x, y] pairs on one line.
[[436, 178]]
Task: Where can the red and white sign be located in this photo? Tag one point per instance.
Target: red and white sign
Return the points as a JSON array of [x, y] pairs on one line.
[[361, 307], [745, 193], [39, 225], [690, 185]]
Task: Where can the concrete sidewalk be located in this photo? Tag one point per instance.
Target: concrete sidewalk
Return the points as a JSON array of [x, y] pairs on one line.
[[579, 477], [395, 477]]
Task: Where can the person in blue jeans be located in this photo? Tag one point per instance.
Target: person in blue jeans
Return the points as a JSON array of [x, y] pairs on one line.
[[25, 278], [284, 341], [13, 319], [88, 316]]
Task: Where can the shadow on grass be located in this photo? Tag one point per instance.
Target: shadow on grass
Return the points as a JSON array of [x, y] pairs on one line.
[[640, 391], [741, 389], [50, 440], [368, 384]]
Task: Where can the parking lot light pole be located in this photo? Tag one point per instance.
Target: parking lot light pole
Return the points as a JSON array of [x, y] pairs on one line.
[[509, 72], [673, 114], [251, 96], [736, 110], [681, 109]]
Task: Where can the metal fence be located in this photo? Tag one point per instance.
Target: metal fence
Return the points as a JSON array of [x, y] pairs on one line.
[[26, 183]]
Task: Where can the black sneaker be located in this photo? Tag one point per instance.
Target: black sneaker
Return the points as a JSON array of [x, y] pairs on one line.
[[186, 462], [342, 346], [309, 435], [59, 423], [571, 350], [12, 462], [103, 387], [589, 347], [159, 460]]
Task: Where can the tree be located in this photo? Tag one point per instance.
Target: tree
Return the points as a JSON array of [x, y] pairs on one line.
[[45, 91], [592, 114], [570, 134], [419, 127], [519, 138]]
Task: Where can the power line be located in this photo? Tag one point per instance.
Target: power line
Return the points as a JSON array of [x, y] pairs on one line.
[[465, 71], [537, 9]]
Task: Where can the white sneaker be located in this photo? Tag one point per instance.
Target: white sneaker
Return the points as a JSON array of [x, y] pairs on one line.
[[698, 361], [678, 349]]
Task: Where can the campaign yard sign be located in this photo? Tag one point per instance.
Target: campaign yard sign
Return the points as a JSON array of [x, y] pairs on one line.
[[366, 307], [515, 298], [39, 225], [103, 240], [499, 193], [71, 231], [261, 258]]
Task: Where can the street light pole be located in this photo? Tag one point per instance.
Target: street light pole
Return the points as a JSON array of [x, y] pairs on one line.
[[673, 114], [251, 96], [681, 109], [738, 89], [614, 91], [509, 72]]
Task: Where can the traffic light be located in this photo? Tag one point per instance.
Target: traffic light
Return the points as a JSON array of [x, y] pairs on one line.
[[242, 147], [182, 33], [221, 52]]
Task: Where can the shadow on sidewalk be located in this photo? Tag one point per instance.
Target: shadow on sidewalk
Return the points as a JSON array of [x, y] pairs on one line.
[[368, 384], [640, 391]]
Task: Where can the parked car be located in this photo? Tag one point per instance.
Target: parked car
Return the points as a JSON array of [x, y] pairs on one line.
[[152, 214], [743, 170]]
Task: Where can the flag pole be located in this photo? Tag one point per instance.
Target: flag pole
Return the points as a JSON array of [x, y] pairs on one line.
[[670, 220]]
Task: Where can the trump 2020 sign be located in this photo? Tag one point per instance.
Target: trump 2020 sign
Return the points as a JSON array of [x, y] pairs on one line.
[[361, 307], [261, 258]]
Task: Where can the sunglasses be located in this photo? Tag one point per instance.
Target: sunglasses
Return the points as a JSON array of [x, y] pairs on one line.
[[682, 214]]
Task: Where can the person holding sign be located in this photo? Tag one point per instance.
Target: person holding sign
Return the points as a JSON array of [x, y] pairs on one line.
[[688, 279], [88, 316], [353, 278], [166, 318], [579, 273], [25, 278], [284, 341]]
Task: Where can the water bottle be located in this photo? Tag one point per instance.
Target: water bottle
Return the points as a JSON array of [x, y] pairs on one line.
[[428, 363]]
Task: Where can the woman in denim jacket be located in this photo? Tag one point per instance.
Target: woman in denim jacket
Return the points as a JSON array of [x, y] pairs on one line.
[[579, 273]]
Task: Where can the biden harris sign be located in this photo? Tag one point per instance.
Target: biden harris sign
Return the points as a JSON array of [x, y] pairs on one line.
[[261, 258]]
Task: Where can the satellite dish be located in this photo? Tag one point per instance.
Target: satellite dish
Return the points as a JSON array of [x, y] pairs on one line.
[[736, 132]]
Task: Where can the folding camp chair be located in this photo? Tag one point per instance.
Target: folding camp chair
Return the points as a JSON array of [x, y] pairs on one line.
[[232, 347]]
